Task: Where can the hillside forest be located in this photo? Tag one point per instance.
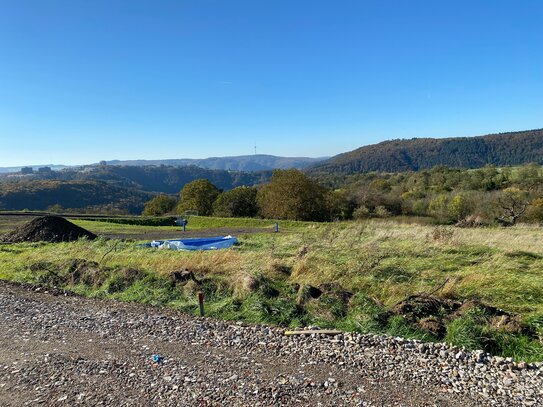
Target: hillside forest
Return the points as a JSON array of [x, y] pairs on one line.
[[445, 195], [484, 196]]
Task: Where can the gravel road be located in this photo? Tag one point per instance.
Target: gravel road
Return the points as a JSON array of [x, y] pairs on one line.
[[58, 349]]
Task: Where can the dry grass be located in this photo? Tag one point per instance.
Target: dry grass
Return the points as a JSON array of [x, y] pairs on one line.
[[383, 259]]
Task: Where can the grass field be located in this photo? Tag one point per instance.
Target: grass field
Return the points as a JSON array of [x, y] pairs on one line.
[[365, 268]]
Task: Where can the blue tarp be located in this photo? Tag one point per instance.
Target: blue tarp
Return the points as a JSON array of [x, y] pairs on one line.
[[203, 243]]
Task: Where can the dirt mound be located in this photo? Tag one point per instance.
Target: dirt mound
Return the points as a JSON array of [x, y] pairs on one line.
[[470, 222], [431, 314], [51, 229], [417, 307]]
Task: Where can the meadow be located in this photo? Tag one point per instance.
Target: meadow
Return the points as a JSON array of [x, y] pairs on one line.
[[347, 275]]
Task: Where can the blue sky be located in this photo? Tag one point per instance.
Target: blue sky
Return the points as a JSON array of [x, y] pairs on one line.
[[82, 81]]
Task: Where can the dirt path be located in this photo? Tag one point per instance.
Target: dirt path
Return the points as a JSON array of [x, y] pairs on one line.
[[57, 349]]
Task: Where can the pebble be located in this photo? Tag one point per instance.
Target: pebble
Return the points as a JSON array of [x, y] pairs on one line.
[[212, 362]]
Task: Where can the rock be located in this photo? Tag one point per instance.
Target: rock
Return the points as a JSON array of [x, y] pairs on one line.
[[233, 363]]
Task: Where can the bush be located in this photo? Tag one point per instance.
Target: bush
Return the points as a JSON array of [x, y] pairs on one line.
[[382, 212], [158, 221], [293, 195], [159, 205], [361, 213], [238, 202], [535, 211], [198, 195]]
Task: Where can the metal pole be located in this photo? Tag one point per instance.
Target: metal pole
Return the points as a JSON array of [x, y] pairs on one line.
[[276, 227], [201, 302]]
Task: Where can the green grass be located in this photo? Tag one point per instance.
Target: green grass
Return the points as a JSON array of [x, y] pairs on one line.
[[196, 223], [138, 224], [377, 261]]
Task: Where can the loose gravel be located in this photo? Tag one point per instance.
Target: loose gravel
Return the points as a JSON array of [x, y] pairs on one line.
[[59, 349]]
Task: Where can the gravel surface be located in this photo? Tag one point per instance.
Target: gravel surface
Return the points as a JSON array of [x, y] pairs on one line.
[[58, 349]]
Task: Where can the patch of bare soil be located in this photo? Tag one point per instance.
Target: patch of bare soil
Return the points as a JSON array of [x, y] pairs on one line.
[[51, 229], [431, 313]]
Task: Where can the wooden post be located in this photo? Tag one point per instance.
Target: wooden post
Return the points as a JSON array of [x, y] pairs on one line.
[[201, 302]]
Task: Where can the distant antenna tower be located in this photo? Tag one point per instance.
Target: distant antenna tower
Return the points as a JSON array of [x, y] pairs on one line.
[[255, 148]]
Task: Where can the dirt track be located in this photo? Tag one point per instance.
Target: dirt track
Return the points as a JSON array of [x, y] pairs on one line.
[[57, 349]]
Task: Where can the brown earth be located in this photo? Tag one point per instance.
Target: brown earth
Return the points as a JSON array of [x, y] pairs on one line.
[[49, 228]]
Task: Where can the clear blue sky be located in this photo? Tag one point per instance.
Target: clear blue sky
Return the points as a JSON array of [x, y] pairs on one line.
[[85, 80]]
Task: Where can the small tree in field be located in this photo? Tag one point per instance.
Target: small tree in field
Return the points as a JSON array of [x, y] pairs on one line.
[[535, 213], [459, 207], [514, 203], [438, 207], [293, 195], [198, 195], [238, 202], [159, 205]]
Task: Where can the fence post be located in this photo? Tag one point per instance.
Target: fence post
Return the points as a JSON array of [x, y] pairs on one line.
[[201, 302]]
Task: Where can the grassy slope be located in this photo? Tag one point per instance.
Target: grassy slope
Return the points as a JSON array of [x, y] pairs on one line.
[[377, 259]]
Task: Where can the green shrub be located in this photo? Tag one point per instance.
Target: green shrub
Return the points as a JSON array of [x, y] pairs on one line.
[[154, 221]]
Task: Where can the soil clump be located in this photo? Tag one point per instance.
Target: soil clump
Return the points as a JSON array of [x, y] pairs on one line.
[[52, 229]]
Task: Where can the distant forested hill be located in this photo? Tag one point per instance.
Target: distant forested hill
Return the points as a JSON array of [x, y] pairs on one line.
[[256, 162], [460, 152], [167, 179], [115, 188], [163, 178], [98, 195]]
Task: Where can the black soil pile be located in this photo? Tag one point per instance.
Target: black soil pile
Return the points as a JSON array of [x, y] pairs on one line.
[[52, 229]]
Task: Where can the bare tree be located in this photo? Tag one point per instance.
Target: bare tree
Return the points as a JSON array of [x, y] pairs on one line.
[[514, 203]]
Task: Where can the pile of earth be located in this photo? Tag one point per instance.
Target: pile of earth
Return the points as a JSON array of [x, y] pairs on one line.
[[51, 229], [431, 314]]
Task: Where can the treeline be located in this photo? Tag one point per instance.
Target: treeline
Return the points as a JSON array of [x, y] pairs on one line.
[[290, 194], [468, 197], [162, 178], [71, 196], [505, 149], [489, 195]]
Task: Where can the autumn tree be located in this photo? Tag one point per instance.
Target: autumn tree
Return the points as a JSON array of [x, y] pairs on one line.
[[238, 202], [159, 205], [535, 212], [198, 195], [339, 205], [292, 195], [513, 203], [459, 207]]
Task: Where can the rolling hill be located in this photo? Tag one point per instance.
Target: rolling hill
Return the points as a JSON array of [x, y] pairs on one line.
[[112, 188], [256, 162], [89, 195], [502, 149]]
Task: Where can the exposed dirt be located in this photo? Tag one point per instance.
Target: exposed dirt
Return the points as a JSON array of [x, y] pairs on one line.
[[431, 313], [51, 229], [417, 307]]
